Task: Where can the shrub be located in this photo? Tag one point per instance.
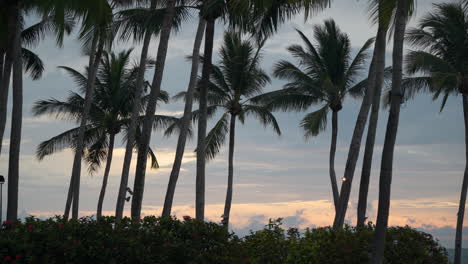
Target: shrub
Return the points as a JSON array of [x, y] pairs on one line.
[[168, 240]]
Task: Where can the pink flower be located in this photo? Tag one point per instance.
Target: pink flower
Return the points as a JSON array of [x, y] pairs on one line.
[[167, 244], [60, 226], [7, 258], [30, 227], [187, 217], [18, 256]]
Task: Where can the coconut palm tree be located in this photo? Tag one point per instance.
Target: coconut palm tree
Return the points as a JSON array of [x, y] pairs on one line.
[[261, 18], [109, 115], [440, 66], [233, 83], [141, 24], [32, 64], [326, 75], [18, 59], [401, 19], [379, 15], [171, 186]]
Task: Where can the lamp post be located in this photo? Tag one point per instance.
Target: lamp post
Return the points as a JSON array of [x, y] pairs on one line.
[[2, 181]]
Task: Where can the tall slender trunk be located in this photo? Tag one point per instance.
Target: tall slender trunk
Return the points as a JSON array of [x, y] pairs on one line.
[[187, 118], [230, 185], [133, 124], [372, 129], [76, 170], [202, 121], [334, 184], [461, 207], [11, 52], [15, 138], [2, 63], [70, 193], [4, 87], [143, 148], [377, 61], [110, 151], [390, 135]]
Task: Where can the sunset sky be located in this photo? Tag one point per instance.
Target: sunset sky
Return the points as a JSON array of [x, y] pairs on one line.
[[284, 176]]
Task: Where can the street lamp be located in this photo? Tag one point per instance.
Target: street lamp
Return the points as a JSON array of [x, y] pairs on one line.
[[2, 181]]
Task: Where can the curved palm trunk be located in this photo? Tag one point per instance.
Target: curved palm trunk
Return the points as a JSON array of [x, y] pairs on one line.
[[390, 135], [133, 125], [461, 207], [187, 118], [372, 130], [15, 138], [230, 185], [110, 151], [378, 61], [202, 121], [11, 53], [69, 200], [76, 170], [143, 149], [334, 184]]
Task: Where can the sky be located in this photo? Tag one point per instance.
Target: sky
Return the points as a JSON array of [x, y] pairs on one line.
[[275, 176]]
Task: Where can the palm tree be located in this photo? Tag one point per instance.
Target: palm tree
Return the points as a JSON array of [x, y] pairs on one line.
[[326, 75], [139, 183], [32, 64], [261, 18], [20, 59], [142, 23], [233, 83], [109, 115], [379, 13], [11, 18], [401, 19], [440, 64], [171, 186]]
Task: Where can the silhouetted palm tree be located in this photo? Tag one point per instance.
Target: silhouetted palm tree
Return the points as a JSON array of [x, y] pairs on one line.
[[233, 83], [441, 67], [142, 24], [110, 114], [326, 74], [403, 10]]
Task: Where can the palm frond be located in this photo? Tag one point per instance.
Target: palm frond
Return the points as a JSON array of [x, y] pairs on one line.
[[315, 122], [264, 115], [32, 64], [216, 137]]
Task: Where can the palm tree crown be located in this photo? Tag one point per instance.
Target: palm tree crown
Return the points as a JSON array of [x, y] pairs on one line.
[[442, 56], [325, 73], [109, 113]]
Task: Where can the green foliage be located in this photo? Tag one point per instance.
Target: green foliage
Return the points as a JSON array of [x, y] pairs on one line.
[[168, 240]]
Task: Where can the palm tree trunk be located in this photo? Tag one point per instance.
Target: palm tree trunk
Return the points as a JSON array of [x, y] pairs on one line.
[[202, 121], [143, 148], [15, 138], [187, 118], [110, 151], [10, 52], [377, 61], [390, 135], [230, 185], [372, 129], [133, 125], [76, 170], [69, 200], [461, 207], [334, 184]]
